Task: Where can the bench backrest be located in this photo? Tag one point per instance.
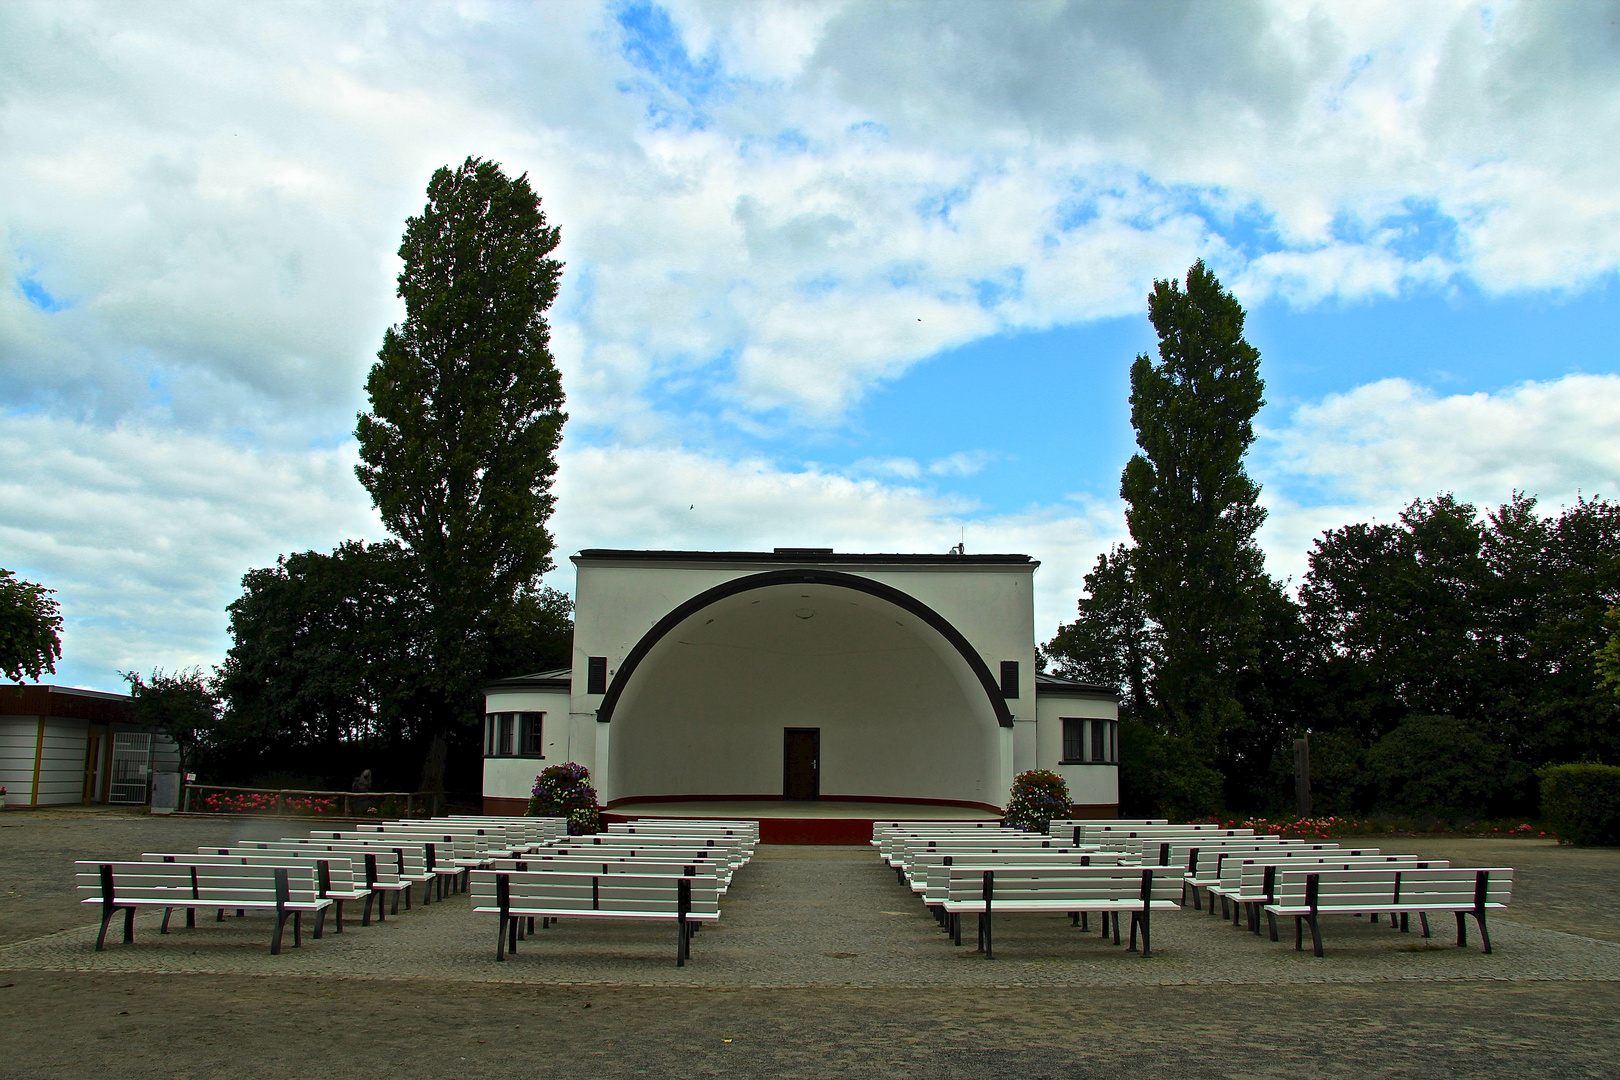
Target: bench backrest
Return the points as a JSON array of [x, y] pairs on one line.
[[402, 858], [1080, 884], [628, 893], [369, 867], [1442, 887], [332, 874], [933, 872], [646, 867], [1204, 861], [1261, 880], [177, 885], [1233, 869]]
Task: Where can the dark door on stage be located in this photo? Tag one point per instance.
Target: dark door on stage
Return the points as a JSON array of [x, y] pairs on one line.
[[801, 763]]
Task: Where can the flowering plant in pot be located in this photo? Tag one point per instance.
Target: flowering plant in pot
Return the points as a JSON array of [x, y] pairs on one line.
[[1038, 796], [565, 791]]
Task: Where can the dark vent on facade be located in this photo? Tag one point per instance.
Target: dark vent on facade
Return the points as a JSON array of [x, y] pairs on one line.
[[596, 675]]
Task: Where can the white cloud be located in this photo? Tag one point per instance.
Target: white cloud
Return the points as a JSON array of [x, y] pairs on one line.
[[1369, 452], [145, 534]]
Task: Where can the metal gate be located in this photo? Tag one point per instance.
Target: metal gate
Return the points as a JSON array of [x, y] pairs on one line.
[[131, 762]]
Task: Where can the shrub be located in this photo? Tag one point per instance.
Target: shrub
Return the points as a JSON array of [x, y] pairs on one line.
[[1442, 766], [1164, 776], [565, 791], [1038, 796], [1582, 802]]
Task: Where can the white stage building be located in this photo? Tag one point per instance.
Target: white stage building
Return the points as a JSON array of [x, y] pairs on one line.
[[812, 690]]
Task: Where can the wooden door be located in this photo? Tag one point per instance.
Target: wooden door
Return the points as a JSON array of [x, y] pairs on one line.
[[92, 762], [801, 763]]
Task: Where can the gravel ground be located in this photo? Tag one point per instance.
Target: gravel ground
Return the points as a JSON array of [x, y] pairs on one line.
[[822, 964]]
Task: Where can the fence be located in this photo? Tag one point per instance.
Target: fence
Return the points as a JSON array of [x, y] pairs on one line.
[[250, 800]]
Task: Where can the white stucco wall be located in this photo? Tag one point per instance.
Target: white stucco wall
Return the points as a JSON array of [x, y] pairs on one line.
[[901, 714], [513, 777], [1088, 784]]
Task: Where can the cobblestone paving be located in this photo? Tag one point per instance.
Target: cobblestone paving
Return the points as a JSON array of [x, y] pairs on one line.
[[827, 917]]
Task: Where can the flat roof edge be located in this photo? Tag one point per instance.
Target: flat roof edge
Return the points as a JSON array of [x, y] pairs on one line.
[[801, 558]]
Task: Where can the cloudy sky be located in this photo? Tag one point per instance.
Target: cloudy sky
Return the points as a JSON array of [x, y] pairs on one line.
[[867, 275]]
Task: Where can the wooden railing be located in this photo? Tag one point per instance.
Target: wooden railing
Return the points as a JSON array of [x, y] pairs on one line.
[[347, 803]]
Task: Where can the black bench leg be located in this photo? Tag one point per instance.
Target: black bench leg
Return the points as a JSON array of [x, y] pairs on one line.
[[500, 939], [219, 915], [1136, 917], [107, 911], [512, 934], [1074, 918], [407, 891], [987, 920], [298, 929], [1271, 922], [191, 918], [1224, 912], [320, 923], [396, 903], [338, 916], [129, 925], [681, 940], [1484, 932], [1405, 926], [164, 929], [1299, 933], [1423, 921], [1085, 921], [365, 914], [1316, 935], [1462, 931], [1196, 905], [1116, 928], [275, 935], [1147, 919]]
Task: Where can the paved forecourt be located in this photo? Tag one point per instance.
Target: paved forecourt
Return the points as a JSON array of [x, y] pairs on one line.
[[830, 917]]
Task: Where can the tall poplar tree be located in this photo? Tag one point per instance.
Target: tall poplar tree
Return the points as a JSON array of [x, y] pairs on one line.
[[459, 449], [1193, 510]]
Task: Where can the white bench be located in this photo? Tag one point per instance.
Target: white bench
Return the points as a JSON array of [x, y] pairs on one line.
[[1309, 894], [1202, 863], [512, 895], [371, 874], [1250, 885], [334, 876], [400, 864], [1073, 890], [126, 886]]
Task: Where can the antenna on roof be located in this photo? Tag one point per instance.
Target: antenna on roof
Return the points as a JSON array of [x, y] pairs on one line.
[[961, 546]]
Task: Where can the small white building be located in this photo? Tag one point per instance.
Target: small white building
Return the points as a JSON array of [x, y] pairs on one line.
[[806, 676], [60, 745]]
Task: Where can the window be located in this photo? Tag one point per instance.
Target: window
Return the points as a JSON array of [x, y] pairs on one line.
[[1074, 740], [1009, 678], [1099, 740], [514, 734], [596, 675], [531, 744]]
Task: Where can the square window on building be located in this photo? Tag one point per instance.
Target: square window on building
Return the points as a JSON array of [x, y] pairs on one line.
[[507, 721]]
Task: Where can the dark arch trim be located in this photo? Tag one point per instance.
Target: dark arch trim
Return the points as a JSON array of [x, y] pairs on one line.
[[621, 678]]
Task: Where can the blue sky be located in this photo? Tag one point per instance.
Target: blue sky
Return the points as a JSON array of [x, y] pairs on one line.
[[868, 275]]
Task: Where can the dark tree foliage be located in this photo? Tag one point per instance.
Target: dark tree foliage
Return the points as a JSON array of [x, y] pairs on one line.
[[30, 629], [1111, 642], [458, 451], [326, 661], [1192, 508], [182, 704]]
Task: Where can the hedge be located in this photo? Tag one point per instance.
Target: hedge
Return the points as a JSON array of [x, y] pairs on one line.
[[1582, 802]]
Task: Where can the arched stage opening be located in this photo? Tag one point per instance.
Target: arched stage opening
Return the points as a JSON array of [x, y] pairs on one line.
[[901, 708]]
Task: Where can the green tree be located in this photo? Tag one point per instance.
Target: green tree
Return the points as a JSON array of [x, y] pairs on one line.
[[182, 704], [458, 451], [1193, 511], [30, 629], [1111, 641]]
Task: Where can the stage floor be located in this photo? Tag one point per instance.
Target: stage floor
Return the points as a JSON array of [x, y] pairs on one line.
[[833, 821]]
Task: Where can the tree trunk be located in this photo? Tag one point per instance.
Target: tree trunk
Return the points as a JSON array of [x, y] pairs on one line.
[[433, 765]]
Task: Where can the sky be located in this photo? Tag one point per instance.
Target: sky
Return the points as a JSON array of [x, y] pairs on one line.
[[860, 275]]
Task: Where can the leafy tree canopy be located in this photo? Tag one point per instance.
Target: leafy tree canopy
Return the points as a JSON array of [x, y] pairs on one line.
[[30, 629], [180, 703]]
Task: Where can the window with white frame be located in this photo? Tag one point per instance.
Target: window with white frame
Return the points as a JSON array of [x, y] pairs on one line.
[[514, 734], [1090, 742]]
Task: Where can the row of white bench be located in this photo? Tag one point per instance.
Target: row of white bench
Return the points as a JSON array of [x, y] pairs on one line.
[[980, 868], [303, 876], [654, 869]]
